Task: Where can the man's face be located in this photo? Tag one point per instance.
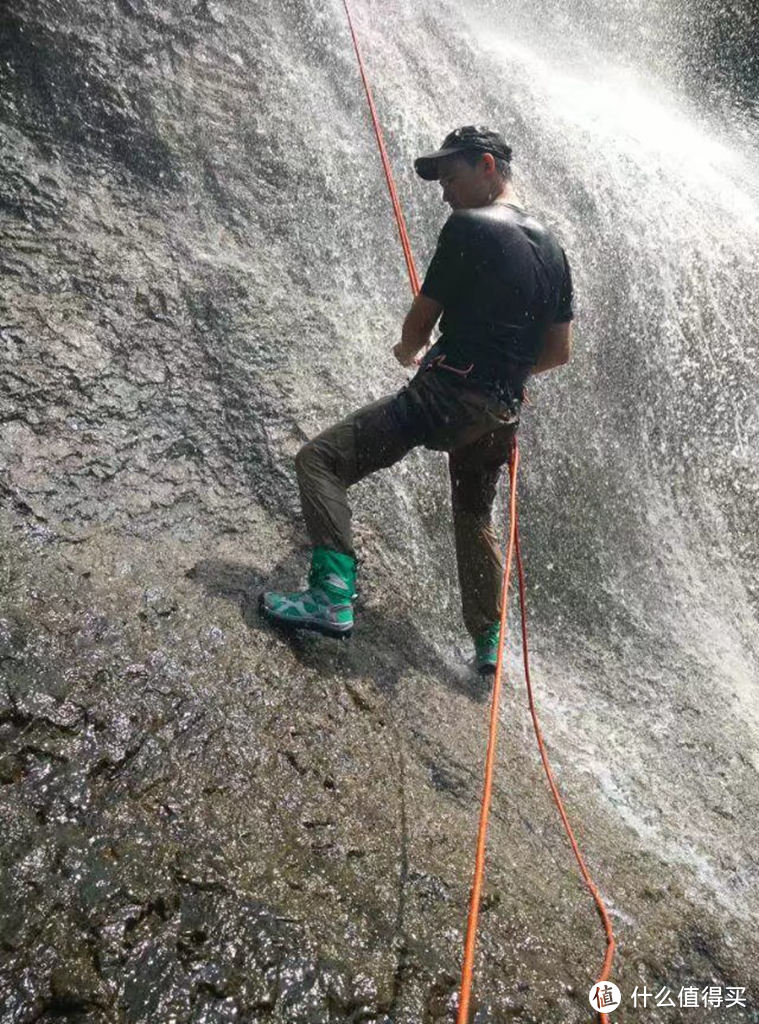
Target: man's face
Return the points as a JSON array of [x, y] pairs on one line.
[[464, 186]]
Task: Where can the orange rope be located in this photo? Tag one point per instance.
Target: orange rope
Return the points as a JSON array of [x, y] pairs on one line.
[[610, 944], [479, 861], [513, 544], [405, 243]]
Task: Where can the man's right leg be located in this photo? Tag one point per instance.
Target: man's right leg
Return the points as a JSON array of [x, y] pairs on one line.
[[375, 436]]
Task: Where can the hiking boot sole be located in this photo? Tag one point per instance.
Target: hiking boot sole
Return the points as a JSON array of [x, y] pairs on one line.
[[311, 624]]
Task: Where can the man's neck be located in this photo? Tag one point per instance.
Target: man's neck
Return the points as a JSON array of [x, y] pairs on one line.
[[506, 195]]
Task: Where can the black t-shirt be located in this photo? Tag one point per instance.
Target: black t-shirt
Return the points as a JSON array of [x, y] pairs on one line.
[[502, 278]]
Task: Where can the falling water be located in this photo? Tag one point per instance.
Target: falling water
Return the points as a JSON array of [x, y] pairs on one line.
[[202, 271]]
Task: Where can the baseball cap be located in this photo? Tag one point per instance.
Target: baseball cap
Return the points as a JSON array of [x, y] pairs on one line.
[[471, 137]]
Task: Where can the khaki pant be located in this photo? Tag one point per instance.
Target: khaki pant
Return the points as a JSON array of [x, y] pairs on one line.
[[437, 410]]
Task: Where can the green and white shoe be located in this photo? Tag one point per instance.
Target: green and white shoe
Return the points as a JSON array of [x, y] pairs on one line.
[[326, 606], [486, 648]]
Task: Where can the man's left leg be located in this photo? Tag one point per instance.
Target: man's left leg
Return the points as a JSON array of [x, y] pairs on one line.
[[474, 471], [373, 437]]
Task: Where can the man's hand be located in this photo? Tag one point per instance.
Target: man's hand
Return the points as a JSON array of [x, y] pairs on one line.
[[404, 355], [415, 335]]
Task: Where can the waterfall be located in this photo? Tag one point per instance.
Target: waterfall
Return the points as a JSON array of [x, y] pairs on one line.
[[200, 270]]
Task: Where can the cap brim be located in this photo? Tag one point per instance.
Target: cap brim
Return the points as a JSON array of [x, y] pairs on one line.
[[426, 166]]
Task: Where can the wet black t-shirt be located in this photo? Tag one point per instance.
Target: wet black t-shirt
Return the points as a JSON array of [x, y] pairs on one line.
[[502, 278]]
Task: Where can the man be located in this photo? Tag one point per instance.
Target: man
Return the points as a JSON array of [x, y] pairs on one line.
[[503, 285]]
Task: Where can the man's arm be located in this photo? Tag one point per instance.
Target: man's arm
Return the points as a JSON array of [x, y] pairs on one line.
[[417, 327], [557, 338], [445, 277], [557, 347]]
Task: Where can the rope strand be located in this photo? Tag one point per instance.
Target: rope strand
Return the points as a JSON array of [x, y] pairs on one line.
[[402, 232], [479, 862], [610, 944], [513, 545]]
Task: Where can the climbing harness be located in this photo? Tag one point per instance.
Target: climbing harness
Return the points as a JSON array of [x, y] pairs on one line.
[[512, 548], [440, 363]]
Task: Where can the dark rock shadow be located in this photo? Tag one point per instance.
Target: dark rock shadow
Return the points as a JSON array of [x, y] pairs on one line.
[[383, 645], [382, 648]]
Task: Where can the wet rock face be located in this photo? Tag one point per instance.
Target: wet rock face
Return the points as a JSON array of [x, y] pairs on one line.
[[147, 294], [60, 89], [195, 953], [178, 848], [203, 821], [114, 906]]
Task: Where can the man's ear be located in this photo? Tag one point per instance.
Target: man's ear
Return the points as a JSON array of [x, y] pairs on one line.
[[488, 163]]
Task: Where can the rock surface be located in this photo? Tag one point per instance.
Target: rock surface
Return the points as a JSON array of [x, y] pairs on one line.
[[205, 821]]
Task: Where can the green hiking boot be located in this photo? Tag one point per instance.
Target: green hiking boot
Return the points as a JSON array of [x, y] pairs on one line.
[[486, 648], [327, 604]]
